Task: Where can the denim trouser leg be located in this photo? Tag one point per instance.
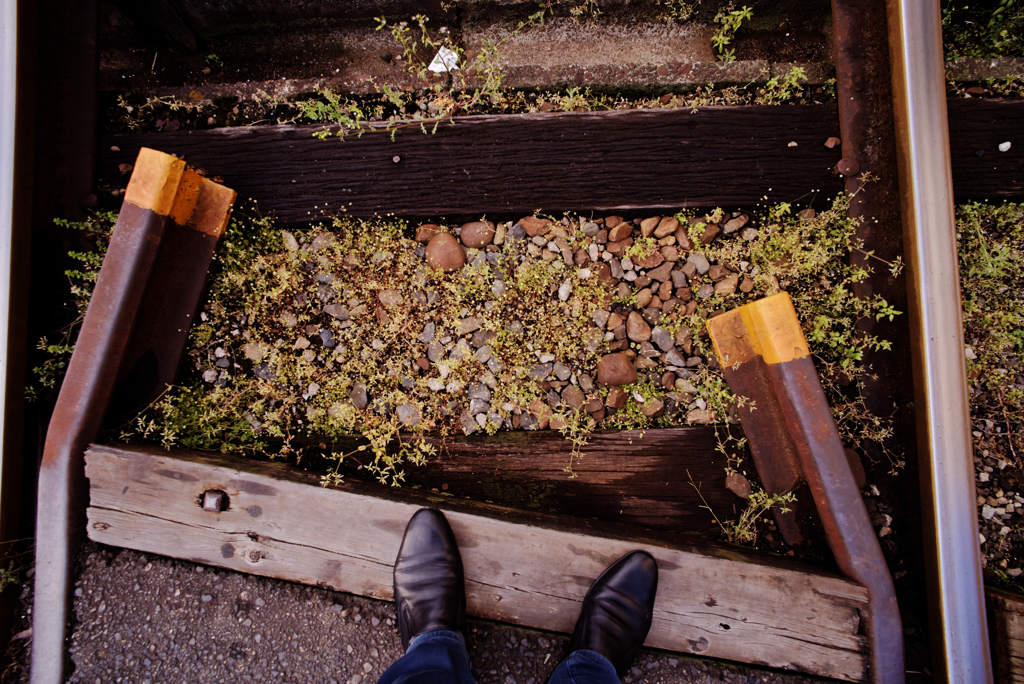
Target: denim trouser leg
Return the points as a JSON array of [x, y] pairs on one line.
[[584, 667], [437, 657]]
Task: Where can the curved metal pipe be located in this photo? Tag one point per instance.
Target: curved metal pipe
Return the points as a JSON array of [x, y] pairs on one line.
[[960, 649]]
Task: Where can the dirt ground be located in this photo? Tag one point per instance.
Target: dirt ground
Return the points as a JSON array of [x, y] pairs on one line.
[[153, 620]]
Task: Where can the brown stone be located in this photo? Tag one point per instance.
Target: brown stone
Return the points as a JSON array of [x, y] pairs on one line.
[[656, 302], [670, 253], [738, 485], [806, 214], [661, 274], [616, 398], [619, 247], [700, 417], [735, 224], [651, 260], [727, 286], [717, 272], [542, 412], [558, 422], [618, 345], [445, 253], [710, 233], [595, 405], [427, 231], [665, 291], [691, 307], [643, 297], [668, 380], [535, 226], [612, 221], [653, 407], [620, 232], [423, 362], [667, 226], [616, 369], [614, 321], [683, 239], [648, 225], [604, 273], [637, 328], [572, 396], [477, 234], [747, 285]]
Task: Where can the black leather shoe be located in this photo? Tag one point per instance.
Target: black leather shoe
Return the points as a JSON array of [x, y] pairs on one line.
[[430, 590], [617, 610]]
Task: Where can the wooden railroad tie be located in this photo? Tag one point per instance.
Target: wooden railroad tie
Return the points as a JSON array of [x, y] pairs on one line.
[[713, 600]]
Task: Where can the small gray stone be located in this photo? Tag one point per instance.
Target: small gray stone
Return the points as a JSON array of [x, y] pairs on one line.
[[408, 415], [674, 358], [483, 354], [358, 396], [482, 337], [663, 339], [616, 269], [706, 291], [479, 391], [541, 371], [435, 351], [601, 318], [586, 382], [679, 279], [407, 383], [565, 290], [427, 336], [699, 262], [478, 406], [561, 371], [749, 234], [517, 233], [461, 350], [435, 384], [467, 423], [495, 365]]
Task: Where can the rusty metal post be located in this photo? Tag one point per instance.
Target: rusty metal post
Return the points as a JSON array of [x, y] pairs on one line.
[[960, 649], [763, 340], [162, 196]]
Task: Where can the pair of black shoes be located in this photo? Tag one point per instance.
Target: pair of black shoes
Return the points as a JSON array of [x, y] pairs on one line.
[[430, 593]]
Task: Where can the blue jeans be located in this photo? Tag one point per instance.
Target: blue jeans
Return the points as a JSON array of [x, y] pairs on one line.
[[441, 658]]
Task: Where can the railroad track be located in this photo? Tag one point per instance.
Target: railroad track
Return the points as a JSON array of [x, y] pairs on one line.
[[466, 180]]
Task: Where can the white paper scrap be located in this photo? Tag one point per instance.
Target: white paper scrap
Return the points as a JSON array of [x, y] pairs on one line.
[[445, 60]]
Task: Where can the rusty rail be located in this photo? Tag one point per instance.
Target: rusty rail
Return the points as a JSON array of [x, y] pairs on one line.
[[164, 199], [960, 649], [765, 357]]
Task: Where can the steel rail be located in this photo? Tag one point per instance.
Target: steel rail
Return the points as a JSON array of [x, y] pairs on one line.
[[960, 649]]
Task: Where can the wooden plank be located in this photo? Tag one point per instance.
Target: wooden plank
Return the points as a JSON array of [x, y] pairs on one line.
[[645, 478], [980, 126], [526, 568], [1006, 635], [517, 164]]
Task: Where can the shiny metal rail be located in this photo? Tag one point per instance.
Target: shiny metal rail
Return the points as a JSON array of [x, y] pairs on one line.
[[956, 593]]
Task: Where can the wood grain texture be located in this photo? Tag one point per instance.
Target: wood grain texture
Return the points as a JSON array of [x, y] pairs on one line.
[[607, 161], [980, 126], [1006, 635], [645, 478], [525, 568]]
